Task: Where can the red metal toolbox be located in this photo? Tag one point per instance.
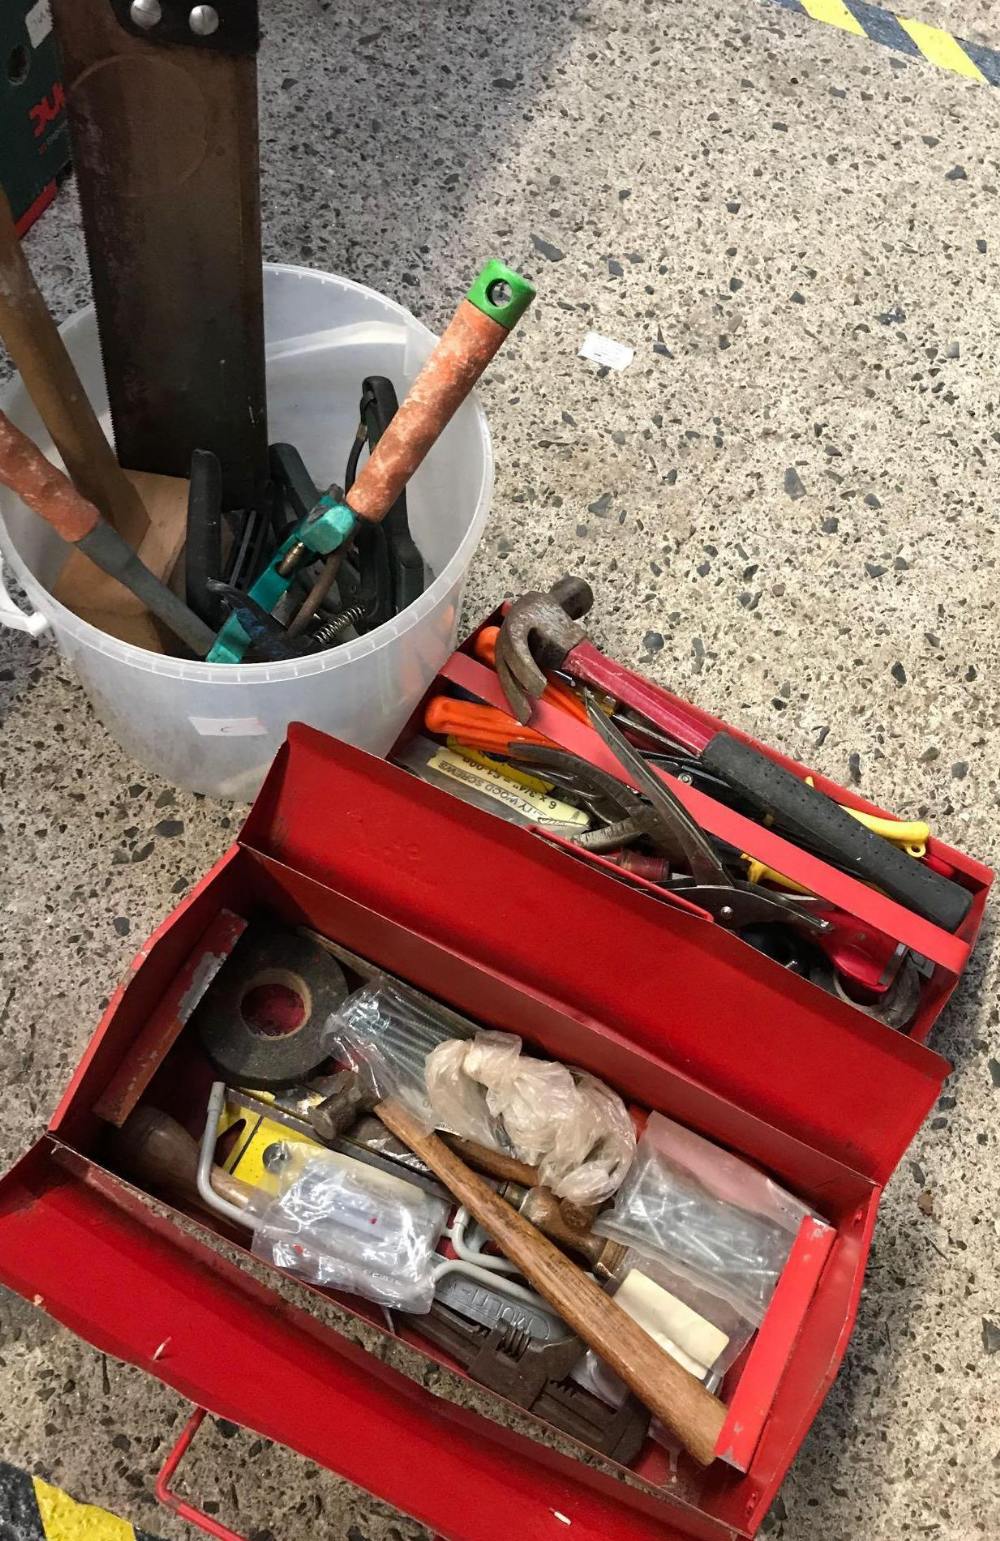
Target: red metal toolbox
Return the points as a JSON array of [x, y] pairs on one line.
[[499, 924]]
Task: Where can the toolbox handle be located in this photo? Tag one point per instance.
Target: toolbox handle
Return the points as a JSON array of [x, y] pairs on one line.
[[180, 1506]]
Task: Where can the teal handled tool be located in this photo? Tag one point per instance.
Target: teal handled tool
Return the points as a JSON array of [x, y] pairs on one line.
[[482, 322]]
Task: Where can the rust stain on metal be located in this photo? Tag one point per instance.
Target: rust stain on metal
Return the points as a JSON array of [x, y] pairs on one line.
[[168, 1018]]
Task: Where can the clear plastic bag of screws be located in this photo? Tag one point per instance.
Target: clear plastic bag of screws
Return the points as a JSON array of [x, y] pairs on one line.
[[386, 1032], [350, 1227], [713, 1217]]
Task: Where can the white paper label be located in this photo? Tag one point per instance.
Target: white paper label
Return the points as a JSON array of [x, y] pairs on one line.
[[38, 22], [492, 783], [228, 727], [606, 351]]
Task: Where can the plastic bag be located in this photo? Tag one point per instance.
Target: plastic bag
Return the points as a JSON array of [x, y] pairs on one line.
[[455, 1075], [703, 1332], [351, 1227], [714, 1218], [568, 1124], [386, 1032]]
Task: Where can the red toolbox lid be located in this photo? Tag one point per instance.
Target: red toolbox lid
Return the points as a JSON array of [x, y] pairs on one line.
[[720, 1012]]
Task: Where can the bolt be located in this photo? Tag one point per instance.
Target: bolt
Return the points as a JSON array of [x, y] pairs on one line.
[[726, 912], [145, 13], [204, 20]]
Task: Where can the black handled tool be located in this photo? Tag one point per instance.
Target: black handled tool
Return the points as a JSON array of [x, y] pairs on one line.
[[379, 405], [203, 545], [817, 822], [539, 634]]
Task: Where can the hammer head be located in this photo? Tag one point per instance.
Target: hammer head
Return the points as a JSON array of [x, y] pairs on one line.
[[350, 1095], [538, 632]]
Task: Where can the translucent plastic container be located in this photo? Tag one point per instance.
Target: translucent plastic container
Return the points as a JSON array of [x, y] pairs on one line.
[[214, 728]]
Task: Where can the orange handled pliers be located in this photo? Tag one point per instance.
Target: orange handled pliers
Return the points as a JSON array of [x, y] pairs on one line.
[[555, 692]]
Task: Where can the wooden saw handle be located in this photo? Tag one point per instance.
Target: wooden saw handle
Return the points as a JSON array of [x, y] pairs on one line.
[[676, 1397], [32, 339]]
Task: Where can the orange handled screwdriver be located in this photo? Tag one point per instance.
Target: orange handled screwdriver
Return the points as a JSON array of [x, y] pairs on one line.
[[477, 725], [555, 692]]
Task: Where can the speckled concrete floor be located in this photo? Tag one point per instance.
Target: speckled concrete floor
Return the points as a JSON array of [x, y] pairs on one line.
[[785, 503]]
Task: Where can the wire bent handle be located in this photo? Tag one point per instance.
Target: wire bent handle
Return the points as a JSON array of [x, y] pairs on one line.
[[180, 1506]]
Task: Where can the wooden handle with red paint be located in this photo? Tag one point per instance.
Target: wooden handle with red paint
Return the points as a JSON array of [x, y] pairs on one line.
[[480, 325], [676, 1397], [46, 490], [32, 339]]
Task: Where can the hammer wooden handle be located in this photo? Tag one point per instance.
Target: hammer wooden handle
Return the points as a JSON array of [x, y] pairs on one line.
[[667, 1389], [32, 339], [493, 1162]]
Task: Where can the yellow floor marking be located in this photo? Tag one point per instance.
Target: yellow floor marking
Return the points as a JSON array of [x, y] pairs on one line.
[[836, 13], [941, 49], [63, 1519]]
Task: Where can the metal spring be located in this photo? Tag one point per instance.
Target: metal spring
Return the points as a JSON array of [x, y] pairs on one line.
[[332, 629]]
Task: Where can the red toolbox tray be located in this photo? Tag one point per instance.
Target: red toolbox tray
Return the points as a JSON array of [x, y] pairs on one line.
[[503, 926]]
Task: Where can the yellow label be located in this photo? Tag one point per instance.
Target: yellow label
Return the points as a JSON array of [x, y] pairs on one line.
[[260, 1146], [534, 806]]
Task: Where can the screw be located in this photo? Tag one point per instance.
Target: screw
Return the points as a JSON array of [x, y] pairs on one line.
[[145, 13], [204, 20], [275, 1156], [726, 912]]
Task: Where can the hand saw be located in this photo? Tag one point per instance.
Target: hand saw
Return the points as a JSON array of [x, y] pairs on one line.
[[162, 100]]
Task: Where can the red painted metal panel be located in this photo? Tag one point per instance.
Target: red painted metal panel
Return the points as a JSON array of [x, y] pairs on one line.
[[689, 992], [754, 1394], [810, 1373], [165, 1303], [129, 1009], [167, 1019]]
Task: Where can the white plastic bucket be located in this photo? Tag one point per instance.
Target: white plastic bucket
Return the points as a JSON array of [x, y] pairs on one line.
[[214, 728]]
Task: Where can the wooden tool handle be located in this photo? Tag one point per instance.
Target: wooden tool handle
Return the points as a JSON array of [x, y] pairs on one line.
[[156, 1148], [667, 1389], [459, 358], [543, 1209], [46, 490], [32, 339], [494, 1162]]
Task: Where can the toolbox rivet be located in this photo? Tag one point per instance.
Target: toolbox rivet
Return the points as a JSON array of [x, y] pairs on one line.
[[203, 20], [145, 13]]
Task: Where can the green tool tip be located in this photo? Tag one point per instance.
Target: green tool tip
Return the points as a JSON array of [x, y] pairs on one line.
[[501, 293]]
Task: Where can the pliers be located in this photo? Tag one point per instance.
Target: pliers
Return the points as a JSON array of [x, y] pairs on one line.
[[653, 811]]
